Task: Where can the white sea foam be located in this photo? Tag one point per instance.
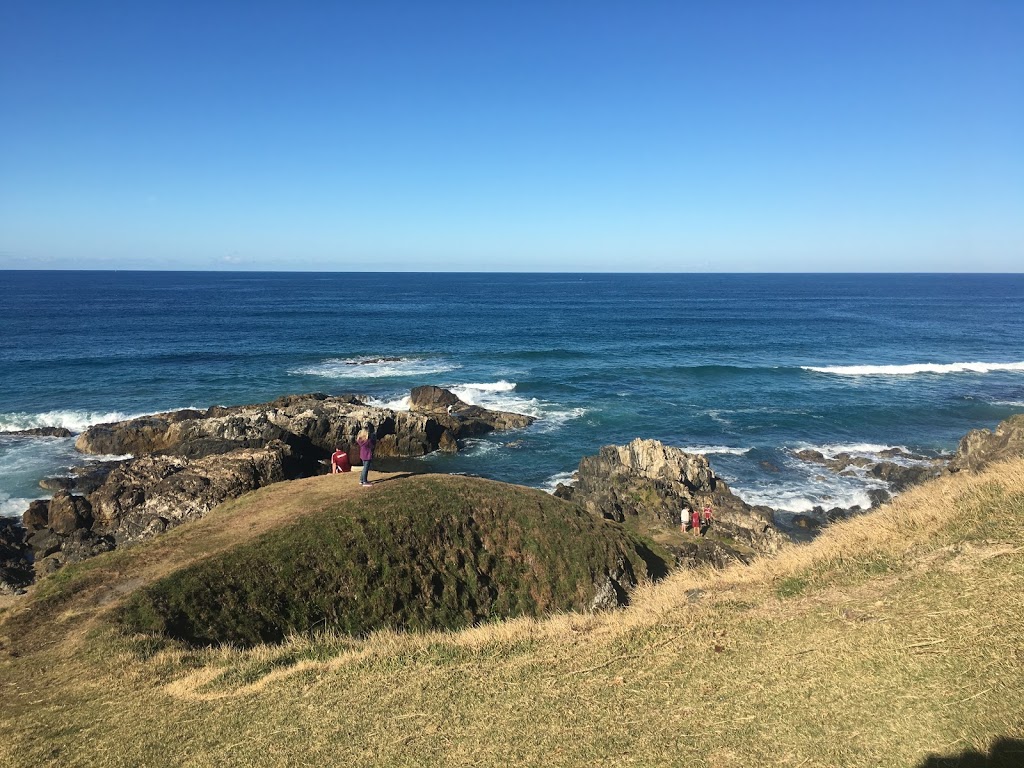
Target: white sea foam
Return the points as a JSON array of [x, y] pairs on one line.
[[477, 447], [549, 421], [398, 404], [552, 482], [706, 450], [495, 386], [790, 498], [871, 451], [15, 506], [362, 368], [76, 421], [914, 368], [1010, 403], [501, 396]]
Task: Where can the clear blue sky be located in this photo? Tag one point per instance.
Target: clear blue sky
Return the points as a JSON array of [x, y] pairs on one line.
[[546, 135]]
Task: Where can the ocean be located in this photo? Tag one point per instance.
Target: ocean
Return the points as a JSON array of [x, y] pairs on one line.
[[746, 369]]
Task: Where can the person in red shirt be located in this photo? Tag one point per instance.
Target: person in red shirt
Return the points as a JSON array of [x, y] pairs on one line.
[[695, 522], [340, 462], [707, 515]]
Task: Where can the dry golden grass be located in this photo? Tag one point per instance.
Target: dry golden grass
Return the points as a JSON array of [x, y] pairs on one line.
[[891, 637]]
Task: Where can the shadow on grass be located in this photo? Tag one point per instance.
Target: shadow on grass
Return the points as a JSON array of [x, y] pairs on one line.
[[1005, 753]]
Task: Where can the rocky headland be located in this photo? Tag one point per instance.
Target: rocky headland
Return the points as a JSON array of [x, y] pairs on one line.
[[647, 485], [183, 463]]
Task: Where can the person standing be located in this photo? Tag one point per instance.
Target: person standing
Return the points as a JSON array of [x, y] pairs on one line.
[[684, 518], [366, 440], [695, 521], [707, 517]]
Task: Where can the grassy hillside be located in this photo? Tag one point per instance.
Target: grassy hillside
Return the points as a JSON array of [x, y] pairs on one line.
[[894, 636], [429, 552]]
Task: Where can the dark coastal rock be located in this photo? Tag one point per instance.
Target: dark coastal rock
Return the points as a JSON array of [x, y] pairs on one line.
[[62, 483], [83, 480], [150, 494], [312, 425], [16, 571], [981, 447], [432, 400], [908, 470], [648, 484], [37, 516], [41, 432], [188, 461], [68, 513]]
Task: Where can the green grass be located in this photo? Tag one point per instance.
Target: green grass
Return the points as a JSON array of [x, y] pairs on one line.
[[891, 638], [428, 553]]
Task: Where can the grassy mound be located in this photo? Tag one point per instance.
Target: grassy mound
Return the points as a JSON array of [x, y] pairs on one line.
[[425, 553]]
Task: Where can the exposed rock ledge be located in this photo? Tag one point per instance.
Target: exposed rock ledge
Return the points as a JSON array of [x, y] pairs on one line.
[[311, 424], [981, 447], [648, 484], [186, 462]]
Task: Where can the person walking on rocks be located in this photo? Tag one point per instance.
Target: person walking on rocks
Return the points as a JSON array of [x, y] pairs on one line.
[[707, 517], [366, 441]]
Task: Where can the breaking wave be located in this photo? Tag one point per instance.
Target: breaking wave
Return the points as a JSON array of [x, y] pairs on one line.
[[706, 450], [76, 421], [375, 368], [915, 368]]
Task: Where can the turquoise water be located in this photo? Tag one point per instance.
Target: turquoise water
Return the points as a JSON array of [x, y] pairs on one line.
[[746, 368]]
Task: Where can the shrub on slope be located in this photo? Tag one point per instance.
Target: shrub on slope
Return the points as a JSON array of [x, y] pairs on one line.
[[430, 552]]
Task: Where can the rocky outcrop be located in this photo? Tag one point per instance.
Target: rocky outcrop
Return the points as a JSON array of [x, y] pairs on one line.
[[460, 419], [153, 493], [312, 425], [15, 564], [981, 447], [899, 469], [648, 484], [189, 461], [141, 498], [41, 432]]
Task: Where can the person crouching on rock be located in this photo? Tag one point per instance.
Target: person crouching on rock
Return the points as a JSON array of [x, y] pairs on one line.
[[339, 461], [366, 441]]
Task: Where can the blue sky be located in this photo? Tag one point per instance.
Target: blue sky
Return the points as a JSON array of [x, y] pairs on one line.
[[513, 136]]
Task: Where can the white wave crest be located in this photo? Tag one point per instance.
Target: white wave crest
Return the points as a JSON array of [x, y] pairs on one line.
[[76, 421], [549, 421], [360, 368], [912, 369], [895, 454], [500, 396], [796, 499], [15, 506], [477, 447], [1010, 403], [398, 404], [705, 450], [552, 483], [474, 390]]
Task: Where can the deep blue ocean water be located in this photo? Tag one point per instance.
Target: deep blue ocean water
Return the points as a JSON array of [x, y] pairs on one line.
[[746, 368]]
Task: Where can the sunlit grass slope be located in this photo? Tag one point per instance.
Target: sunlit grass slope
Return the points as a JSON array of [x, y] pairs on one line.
[[427, 552], [894, 636]]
